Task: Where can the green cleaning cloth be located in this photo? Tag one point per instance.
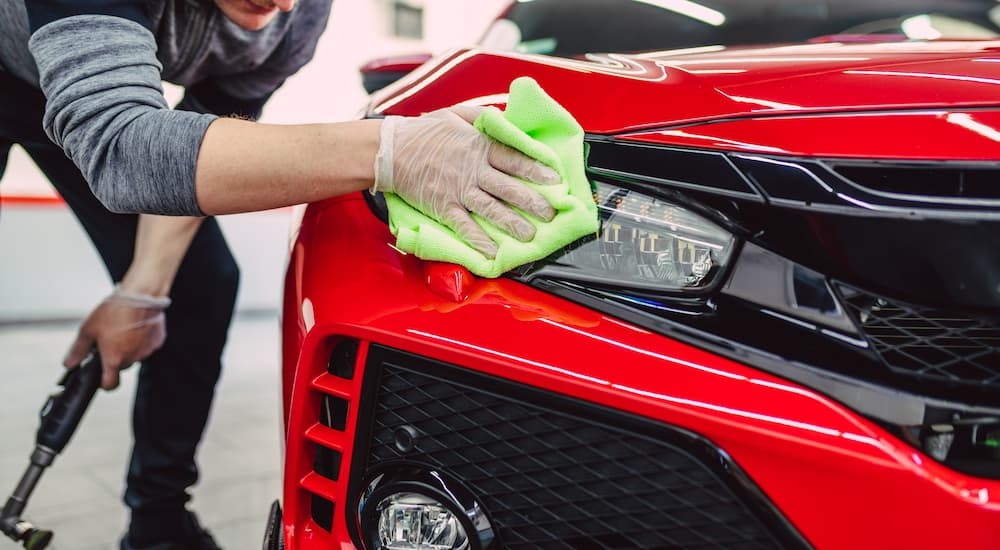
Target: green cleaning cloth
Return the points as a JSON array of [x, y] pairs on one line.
[[536, 125]]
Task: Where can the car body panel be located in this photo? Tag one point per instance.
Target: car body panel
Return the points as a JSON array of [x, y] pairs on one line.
[[680, 87], [941, 134], [833, 474]]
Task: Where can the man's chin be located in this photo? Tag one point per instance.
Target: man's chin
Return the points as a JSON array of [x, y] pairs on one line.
[[247, 15], [254, 22]]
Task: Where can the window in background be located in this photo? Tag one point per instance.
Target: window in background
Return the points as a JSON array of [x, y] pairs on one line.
[[407, 20]]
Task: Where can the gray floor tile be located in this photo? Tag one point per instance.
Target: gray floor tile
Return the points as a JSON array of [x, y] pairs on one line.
[[79, 497]]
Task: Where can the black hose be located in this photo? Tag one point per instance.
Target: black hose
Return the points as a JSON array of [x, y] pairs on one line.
[[60, 417]]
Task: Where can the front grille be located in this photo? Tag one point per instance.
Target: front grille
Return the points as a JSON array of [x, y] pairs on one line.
[[925, 343], [557, 473]]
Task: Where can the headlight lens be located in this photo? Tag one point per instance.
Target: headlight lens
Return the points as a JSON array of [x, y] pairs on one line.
[[411, 521], [644, 243]]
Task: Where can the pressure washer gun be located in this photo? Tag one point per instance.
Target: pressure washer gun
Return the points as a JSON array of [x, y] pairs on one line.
[[59, 418]]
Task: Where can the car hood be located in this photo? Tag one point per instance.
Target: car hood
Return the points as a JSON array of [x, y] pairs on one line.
[[617, 93]]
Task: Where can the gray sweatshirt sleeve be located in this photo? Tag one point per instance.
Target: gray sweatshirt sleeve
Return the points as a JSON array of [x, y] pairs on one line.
[[105, 108]]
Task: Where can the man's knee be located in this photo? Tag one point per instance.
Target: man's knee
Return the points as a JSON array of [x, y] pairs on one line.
[[226, 281], [216, 286]]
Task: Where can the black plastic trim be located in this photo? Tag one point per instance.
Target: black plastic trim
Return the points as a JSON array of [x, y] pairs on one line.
[[322, 511], [700, 448], [274, 537], [686, 168], [891, 405], [814, 184], [895, 169]]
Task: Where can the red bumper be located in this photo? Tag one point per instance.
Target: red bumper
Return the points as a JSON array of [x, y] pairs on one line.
[[840, 480]]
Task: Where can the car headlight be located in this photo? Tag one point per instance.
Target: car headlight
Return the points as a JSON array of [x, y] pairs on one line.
[[644, 244]]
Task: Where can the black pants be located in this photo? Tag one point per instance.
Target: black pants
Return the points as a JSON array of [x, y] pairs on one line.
[[177, 383]]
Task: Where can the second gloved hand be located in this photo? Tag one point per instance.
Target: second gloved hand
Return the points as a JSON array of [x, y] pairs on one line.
[[446, 168], [126, 327]]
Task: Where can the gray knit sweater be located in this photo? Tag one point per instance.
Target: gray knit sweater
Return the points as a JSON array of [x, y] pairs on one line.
[[100, 66]]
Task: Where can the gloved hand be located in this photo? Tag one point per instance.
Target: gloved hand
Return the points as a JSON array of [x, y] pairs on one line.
[[442, 165], [127, 327]]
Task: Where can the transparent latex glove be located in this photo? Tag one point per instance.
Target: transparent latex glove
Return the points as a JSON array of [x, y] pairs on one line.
[[442, 165], [126, 327]]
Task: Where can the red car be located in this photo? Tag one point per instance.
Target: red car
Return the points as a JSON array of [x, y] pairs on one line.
[[786, 334]]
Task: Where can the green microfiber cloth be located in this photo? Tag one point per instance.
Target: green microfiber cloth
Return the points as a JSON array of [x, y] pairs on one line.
[[536, 125]]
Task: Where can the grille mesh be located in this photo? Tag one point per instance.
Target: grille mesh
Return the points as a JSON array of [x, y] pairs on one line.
[[926, 343], [552, 479]]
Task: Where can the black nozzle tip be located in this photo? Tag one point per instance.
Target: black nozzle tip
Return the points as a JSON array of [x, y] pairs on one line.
[[38, 539]]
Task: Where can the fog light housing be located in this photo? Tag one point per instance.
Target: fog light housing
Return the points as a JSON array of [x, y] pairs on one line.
[[412, 521], [410, 508]]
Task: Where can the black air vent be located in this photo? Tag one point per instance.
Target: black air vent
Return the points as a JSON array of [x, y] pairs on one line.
[[706, 171], [556, 473], [926, 182], [926, 343]]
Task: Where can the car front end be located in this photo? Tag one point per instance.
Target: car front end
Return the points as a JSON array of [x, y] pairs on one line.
[[786, 333]]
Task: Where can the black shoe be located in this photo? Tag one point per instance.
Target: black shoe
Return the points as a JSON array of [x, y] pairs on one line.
[[192, 537]]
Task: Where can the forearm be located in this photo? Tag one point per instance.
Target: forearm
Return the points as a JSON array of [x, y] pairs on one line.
[[130, 324], [161, 243], [247, 166]]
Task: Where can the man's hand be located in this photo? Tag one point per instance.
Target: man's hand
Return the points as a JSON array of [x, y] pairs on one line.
[[126, 328], [440, 164], [130, 324]]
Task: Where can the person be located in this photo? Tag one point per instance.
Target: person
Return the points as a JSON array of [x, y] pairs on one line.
[[80, 84]]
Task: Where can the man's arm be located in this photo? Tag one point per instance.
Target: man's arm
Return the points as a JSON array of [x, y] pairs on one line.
[[129, 325], [106, 110], [247, 166], [160, 244]]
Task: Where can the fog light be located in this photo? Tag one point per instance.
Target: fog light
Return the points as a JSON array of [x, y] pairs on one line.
[[411, 521], [407, 507]]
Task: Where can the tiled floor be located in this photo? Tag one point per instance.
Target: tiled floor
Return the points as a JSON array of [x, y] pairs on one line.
[[79, 497]]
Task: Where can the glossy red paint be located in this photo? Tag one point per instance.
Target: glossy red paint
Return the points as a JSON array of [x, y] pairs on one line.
[[449, 281], [841, 480], [972, 135], [686, 86], [831, 472]]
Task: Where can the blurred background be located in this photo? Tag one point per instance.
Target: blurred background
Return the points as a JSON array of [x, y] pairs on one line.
[[50, 270]]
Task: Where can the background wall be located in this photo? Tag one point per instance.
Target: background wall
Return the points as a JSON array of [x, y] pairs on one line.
[[48, 268]]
